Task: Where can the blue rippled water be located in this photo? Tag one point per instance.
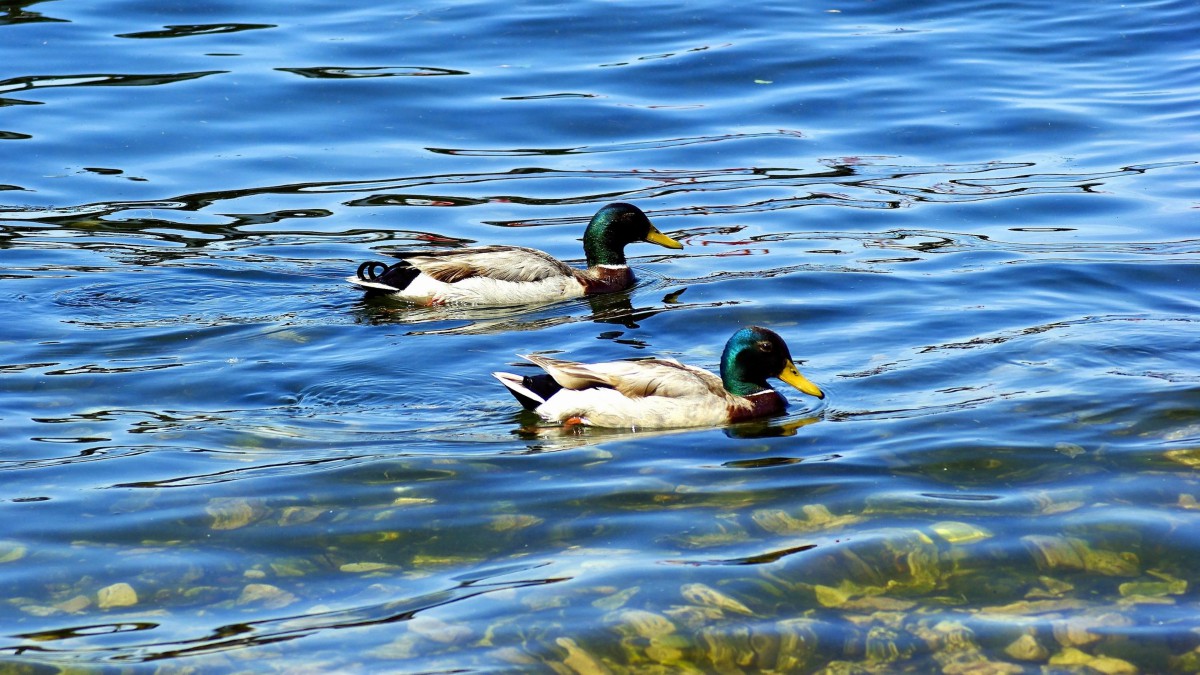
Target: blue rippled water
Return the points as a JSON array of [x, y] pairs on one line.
[[974, 223]]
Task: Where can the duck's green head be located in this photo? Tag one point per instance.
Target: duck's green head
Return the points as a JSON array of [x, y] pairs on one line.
[[752, 355], [613, 227]]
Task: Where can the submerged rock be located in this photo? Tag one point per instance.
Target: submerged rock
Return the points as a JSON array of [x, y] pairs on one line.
[[1070, 553], [960, 533], [233, 513], [116, 595], [579, 660], [1027, 648], [11, 551], [271, 597], [705, 596]]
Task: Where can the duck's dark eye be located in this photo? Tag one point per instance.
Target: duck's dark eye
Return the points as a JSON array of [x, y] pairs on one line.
[[766, 347]]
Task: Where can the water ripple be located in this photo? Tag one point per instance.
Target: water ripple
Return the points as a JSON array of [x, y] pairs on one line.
[[30, 82], [189, 30], [616, 147], [849, 182], [341, 72]]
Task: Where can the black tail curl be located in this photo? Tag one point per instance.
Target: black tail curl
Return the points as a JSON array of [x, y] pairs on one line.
[[367, 270], [398, 275]]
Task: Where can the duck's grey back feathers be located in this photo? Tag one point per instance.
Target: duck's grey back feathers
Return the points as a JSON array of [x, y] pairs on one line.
[[634, 379], [502, 263]]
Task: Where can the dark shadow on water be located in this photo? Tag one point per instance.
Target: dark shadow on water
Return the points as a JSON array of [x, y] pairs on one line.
[[758, 559], [612, 308]]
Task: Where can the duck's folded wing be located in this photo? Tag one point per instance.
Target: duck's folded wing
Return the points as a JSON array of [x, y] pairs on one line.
[[569, 374], [634, 379], [503, 263]]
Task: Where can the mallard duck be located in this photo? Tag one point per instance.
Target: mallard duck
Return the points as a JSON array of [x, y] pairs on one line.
[[511, 275], [664, 392]]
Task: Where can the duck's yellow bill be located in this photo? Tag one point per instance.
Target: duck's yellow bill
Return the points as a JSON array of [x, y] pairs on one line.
[[656, 237], [794, 378]]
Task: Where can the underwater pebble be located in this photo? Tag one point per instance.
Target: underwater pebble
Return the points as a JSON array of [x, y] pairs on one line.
[[298, 515], [616, 600], [1069, 553], [960, 533], [230, 514], [116, 595], [728, 647], [360, 567], [510, 522], [829, 596], [1026, 648], [75, 604], [667, 651], [1082, 629], [1069, 449], [1167, 584], [287, 335], [1152, 589], [271, 597], [646, 624], [293, 567], [1051, 588], [1104, 664], [579, 660], [694, 617], [412, 501], [700, 594], [10, 551], [1112, 666], [816, 517], [1186, 456]]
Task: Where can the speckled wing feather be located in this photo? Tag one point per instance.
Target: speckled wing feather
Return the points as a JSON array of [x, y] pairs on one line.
[[503, 263], [652, 377]]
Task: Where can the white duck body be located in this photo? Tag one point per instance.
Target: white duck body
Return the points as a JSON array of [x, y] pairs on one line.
[[489, 275], [654, 393], [664, 392], [514, 275]]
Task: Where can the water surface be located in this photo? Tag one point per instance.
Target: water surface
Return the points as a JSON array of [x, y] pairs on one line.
[[972, 222]]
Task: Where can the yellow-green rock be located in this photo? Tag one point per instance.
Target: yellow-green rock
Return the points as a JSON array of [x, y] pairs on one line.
[[509, 522], [1109, 665], [362, 567], [10, 551], [699, 594], [230, 514], [116, 595], [1189, 457], [579, 660], [266, 595], [1026, 648], [646, 624], [960, 533], [75, 604]]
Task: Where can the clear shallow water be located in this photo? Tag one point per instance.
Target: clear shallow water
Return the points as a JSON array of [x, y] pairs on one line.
[[974, 222]]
